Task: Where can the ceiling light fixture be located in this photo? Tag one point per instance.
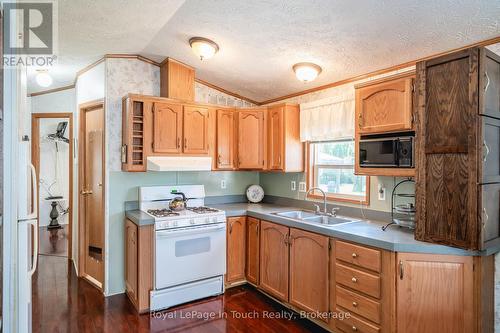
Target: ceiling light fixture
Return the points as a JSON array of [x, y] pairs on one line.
[[204, 48], [306, 71], [43, 78]]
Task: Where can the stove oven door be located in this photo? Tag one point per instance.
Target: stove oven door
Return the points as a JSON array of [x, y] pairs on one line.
[[189, 254]]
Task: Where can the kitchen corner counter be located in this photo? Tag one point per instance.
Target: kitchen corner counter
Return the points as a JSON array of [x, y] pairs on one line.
[[364, 231]]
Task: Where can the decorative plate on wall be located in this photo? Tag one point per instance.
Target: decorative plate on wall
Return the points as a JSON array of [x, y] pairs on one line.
[[255, 193]]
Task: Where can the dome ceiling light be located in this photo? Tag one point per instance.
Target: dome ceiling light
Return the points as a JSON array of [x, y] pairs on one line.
[[43, 78], [204, 48], [306, 71]]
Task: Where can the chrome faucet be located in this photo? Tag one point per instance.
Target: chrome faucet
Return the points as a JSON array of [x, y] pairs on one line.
[[324, 197]]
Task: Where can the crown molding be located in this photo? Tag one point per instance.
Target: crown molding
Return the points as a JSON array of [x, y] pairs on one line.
[[50, 91]]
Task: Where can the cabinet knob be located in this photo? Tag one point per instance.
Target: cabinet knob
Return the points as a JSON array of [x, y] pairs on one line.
[[354, 328], [354, 255], [355, 304], [354, 280]]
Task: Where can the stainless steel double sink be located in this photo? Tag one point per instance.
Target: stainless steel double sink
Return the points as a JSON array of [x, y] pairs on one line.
[[315, 218]]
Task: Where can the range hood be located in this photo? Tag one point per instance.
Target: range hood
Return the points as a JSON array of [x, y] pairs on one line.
[[179, 163]]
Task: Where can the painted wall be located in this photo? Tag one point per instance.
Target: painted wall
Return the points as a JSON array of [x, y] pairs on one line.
[[134, 76], [60, 101]]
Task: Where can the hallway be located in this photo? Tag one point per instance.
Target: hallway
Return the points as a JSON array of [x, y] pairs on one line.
[[63, 303]]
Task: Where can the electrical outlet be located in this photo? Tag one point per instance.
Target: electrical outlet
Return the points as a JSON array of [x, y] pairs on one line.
[[381, 192], [293, 185], [302, 186], [223, 184]]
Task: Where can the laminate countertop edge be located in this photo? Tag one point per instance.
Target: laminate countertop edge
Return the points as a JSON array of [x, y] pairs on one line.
[[364, 232]]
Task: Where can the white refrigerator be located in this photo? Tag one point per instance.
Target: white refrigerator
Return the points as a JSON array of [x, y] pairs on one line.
[[27, 234]]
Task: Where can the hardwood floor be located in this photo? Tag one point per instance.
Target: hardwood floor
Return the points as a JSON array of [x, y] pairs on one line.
[[64, 303], [53, 242]]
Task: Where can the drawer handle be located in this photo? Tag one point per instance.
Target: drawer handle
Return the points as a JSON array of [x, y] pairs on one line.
[[354, 280], [486, 151], [354, 255], [355, 304], [354, 328]]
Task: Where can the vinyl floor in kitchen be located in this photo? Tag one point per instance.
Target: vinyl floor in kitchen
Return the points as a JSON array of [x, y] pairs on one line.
[[64, 303]]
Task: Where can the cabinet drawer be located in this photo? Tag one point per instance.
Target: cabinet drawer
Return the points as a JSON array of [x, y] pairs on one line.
[[354, 324], [358, 280], [358, 255], [358, 304]]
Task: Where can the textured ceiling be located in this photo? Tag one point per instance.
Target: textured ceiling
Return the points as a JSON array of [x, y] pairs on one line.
[[261, 40]]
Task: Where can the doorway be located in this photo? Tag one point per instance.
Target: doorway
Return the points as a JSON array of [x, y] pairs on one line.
[[91, 192], [52, 156]]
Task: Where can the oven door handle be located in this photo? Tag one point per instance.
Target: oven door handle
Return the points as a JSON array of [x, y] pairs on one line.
[[189, 231]]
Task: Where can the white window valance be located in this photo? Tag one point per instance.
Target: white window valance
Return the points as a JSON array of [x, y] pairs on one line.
[[327, 119]]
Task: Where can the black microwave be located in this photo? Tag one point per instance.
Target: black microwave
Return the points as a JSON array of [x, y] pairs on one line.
[[387, 151]]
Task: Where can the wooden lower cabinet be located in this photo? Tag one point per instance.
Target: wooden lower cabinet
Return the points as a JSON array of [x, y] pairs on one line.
[[139, 255], [309, 272], [253, 249], [274, 256], [235, 252], [435, 293]]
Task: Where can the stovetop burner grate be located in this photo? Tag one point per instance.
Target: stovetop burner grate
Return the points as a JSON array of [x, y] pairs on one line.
[[162, 212], [202, 210]]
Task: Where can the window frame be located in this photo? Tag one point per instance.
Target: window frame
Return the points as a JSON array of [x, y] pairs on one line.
[[312, 168]]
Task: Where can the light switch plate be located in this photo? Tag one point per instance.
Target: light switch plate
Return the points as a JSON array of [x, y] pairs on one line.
[[302, 186], [381, 192], [293, 185], [223, 184]]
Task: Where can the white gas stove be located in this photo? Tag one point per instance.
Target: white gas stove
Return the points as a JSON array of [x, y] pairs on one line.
[[190, 246]]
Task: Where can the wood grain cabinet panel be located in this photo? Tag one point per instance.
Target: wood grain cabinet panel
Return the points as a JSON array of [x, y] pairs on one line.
[[358, 280], [309, 271], [358, 304], [225, 131], [253, 250], [251, 139], [177, 80], [358, 255], [353, 323], [236, 248], [276, 143], [435, 294], [384, 105], [489, 103], [131, 240], [195, 130], [274, 257], [167, 128]]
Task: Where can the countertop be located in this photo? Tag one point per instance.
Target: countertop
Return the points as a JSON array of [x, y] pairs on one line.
[[364, 231]]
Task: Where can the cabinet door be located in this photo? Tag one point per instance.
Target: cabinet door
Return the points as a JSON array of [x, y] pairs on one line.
[[195, 130], [309, 271], [275, 143], [236, 234], [225, 139], [447, 150], [489, 83], [385, 107], [167, 128], [131, 259], [434, 294], [489, 163], [251, 139], [274, 259], [253, 244]]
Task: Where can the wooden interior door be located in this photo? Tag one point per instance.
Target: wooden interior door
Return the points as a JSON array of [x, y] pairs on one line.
[[93, 194], [253, 246], [274, 257], [309, 271], [236, 235], [384, 107], [251, 139], [276, 136], [435, 294], [195, 130], [225, 139], [167, 128], [447, 150]]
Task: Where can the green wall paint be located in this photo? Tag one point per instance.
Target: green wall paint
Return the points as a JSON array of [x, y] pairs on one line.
[[123, 187]]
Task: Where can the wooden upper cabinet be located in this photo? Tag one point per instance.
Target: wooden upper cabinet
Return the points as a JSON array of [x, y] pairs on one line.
[[176, 80], [167, 128], [134, 134], [435, 294], [195, 130], [236, 236], [251, 139], [253, 246], [274, 257], [309, 271], [285, 151], [385, 105], [225, 139], [489, 83]]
